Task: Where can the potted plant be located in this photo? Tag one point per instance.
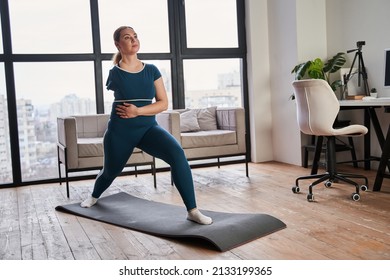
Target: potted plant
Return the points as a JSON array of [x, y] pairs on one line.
[[373, 92], [318, 69]]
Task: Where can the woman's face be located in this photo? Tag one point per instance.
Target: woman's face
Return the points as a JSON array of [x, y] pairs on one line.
[[128, 42]]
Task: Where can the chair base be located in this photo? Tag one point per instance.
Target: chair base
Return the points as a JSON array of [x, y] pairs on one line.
[[328, 180], [332, 175]]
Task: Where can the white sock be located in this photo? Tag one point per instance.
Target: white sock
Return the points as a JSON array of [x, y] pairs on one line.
[[90, 201], [197, 217]]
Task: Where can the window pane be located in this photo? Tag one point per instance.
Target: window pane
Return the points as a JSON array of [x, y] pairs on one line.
[[5, 149], [212, 82], [149, 18], [55, 26], [45, 91], [163, 65], [211, 23]]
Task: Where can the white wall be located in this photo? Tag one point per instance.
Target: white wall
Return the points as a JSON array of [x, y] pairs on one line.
[[259, 80], [349, 21], [282, 33], [276, 42], [283, 55]]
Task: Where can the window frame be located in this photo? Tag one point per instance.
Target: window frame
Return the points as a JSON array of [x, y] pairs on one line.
[[178, 53]]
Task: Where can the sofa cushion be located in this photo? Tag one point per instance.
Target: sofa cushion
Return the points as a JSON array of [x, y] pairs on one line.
[[189, 121], [90, 147], [207, 118], [93, 147], [209, 138]]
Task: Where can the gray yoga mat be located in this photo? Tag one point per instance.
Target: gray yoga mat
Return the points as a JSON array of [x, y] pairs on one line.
[[227, 231]]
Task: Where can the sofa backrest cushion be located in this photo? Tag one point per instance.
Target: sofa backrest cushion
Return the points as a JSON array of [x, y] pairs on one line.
[[207, 118], [89, 126], [203, 119], [189, 121]]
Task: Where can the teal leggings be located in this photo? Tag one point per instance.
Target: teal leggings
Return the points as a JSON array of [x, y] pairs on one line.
[[122, 136]]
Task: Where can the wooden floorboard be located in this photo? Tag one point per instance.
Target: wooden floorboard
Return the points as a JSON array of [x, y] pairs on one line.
[[332, 227]]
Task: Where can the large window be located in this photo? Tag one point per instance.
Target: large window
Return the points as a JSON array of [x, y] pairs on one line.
[[55, 57]]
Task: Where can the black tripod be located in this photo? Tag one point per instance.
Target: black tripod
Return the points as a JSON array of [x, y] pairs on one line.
[[361, 68]]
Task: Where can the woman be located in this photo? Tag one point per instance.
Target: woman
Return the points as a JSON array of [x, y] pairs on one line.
[[133, 123]]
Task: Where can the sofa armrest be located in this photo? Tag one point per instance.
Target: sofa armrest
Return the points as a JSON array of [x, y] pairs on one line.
[[170, 121], [233, 119], [67, 138]]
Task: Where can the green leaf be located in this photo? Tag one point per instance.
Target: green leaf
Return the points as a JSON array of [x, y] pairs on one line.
[[315, 70], [335, 63], [300, 70], [336, 84]]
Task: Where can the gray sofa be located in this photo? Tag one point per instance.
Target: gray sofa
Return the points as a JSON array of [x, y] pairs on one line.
[[80, 146], [209, 132], [203, 134]]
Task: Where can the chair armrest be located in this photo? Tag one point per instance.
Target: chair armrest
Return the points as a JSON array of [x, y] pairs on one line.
[[233, 119], [67, 140], [170, 121]]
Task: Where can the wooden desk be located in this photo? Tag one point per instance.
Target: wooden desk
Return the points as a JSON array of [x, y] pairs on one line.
[[370, 116]]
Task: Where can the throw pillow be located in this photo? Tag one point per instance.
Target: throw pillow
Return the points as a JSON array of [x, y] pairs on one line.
[[207, 118], [189, 121]]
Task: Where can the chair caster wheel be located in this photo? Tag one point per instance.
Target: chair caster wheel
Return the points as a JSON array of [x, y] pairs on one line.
[[310, 197], [295, 189], [355, 196], [363, 188], [328, 184]]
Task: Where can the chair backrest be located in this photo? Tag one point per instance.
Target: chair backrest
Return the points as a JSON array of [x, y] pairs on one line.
[[317, 106]]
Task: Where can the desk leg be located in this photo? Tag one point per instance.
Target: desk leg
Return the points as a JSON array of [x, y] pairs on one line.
[[367, 139], [378, 130], [382, 164]]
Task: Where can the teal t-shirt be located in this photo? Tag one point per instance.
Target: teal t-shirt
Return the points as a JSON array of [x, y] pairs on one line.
[[138, 86], [128, 85]]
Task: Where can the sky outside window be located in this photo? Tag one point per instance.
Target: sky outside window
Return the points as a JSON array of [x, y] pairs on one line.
[[212, 82], [46, 83], [211, 23], [56, 26], [149, 18]]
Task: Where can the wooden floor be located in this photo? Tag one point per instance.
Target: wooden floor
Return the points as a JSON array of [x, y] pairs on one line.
[[333, 227]]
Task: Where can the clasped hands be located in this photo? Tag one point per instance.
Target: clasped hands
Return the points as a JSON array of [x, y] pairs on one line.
[[127, 110]]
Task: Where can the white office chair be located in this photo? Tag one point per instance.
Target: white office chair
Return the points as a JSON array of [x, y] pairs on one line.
[[317, 109]]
